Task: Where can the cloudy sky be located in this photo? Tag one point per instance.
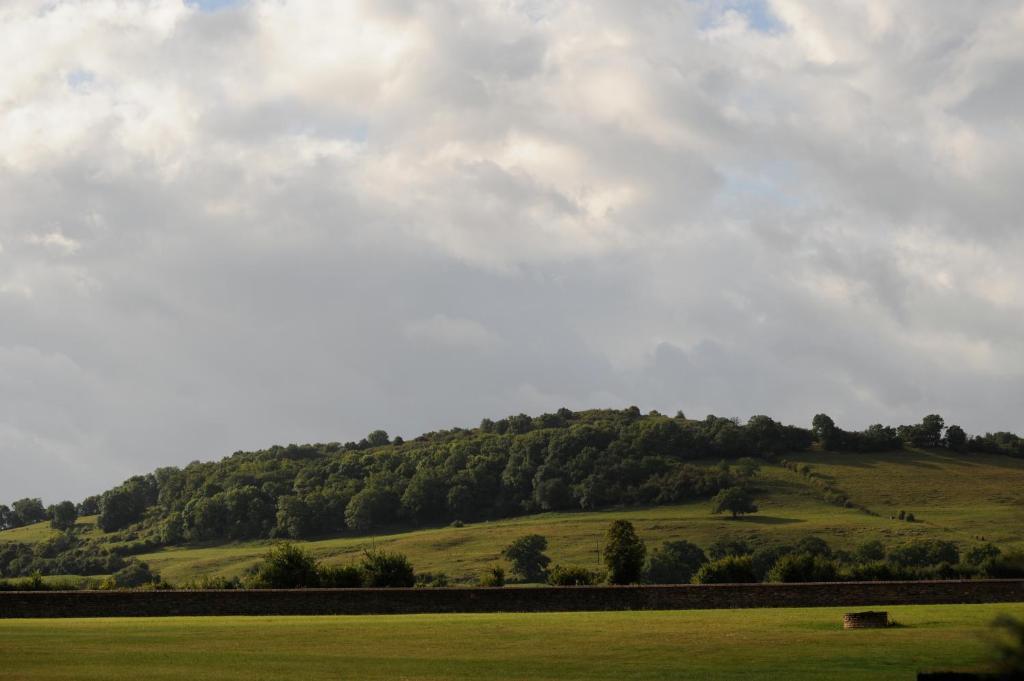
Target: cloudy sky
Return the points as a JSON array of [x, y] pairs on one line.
[[225, 225]]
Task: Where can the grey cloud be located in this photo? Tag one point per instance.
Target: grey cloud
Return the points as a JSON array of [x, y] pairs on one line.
[[506, 208]]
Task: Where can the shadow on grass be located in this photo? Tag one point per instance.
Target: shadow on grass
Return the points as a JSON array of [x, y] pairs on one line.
[[766, 520]]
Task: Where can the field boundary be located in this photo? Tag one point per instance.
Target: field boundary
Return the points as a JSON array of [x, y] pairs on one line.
[[38, 604]]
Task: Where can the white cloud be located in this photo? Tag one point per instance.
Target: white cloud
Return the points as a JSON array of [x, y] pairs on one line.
[[291, 220]]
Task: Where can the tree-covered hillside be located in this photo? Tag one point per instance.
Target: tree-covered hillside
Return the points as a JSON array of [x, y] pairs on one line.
[[515, 466]]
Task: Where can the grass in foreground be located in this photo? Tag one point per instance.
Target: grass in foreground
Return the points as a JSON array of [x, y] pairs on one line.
[[711, 644]]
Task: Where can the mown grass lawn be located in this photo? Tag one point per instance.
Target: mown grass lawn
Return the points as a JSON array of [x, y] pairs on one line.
[[716, 644]]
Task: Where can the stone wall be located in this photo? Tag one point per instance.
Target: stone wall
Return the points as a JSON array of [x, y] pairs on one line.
[[552, 599]]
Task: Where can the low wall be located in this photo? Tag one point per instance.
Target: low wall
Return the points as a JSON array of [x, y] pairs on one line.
[[549, 599]]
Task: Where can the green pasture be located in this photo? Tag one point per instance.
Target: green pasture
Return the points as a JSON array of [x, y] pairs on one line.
[[618, 646]]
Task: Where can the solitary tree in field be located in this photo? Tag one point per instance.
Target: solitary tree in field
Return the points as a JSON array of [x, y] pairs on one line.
[[624, 553], [735, 500], [527, 557]]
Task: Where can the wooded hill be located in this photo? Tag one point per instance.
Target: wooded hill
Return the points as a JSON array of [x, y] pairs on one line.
[[515, 466]]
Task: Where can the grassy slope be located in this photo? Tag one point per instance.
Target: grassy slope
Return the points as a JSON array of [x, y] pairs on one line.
[[748, 644], [955, 497]]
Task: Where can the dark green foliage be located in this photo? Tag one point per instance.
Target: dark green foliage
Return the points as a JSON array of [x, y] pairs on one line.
[[763, 559], [340, 576], [133, 575], [875, 438], [63, 515], [375, 506], [1007, 566], [977, 555], [624, 553], [124, 505], [529, 563], [674, 563], [493, 576], [927, 434], [870, 551], [924, 552], [815, 546], [1009, 444], [728, 570], [286, 566], [734, 500], [720, 548], [572, 575], [955, 438], [803, 567], [26, 512], [432, 580], [383, 569], [89, 505]]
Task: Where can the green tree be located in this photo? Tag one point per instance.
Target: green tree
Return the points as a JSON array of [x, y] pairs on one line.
[[735, 500], [748, 467], [674, 563], [529, 563], [728, 570], [956, 438], [624, 553], [287, 566], [63, 515], [387, 570], [825, 431], [378, 438], [572, 575], [803, 567], [27, 511]]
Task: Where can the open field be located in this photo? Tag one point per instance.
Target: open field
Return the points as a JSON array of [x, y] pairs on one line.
[[956, 497], [749, 644]]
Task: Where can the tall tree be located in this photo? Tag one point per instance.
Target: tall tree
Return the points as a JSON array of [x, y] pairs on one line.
[[529, 563], [624, 553]]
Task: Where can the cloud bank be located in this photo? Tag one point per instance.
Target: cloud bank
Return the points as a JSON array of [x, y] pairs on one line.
[[225, 225]]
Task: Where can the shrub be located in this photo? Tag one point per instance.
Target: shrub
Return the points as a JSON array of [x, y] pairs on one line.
[[815, 546], [728, 570], [529, 563], [286, 566], [764, 559], [924, 552], [391, 570], [572, 575], [675, 563], [340, 576], [721, 548], [434, 580], [870, 551], [493, 576], [133, 575], [1007, 566], [624, 553], [979, 554], [211, 583], [803, 567]]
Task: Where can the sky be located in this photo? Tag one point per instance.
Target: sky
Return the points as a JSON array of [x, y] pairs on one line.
[[226, 225]]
